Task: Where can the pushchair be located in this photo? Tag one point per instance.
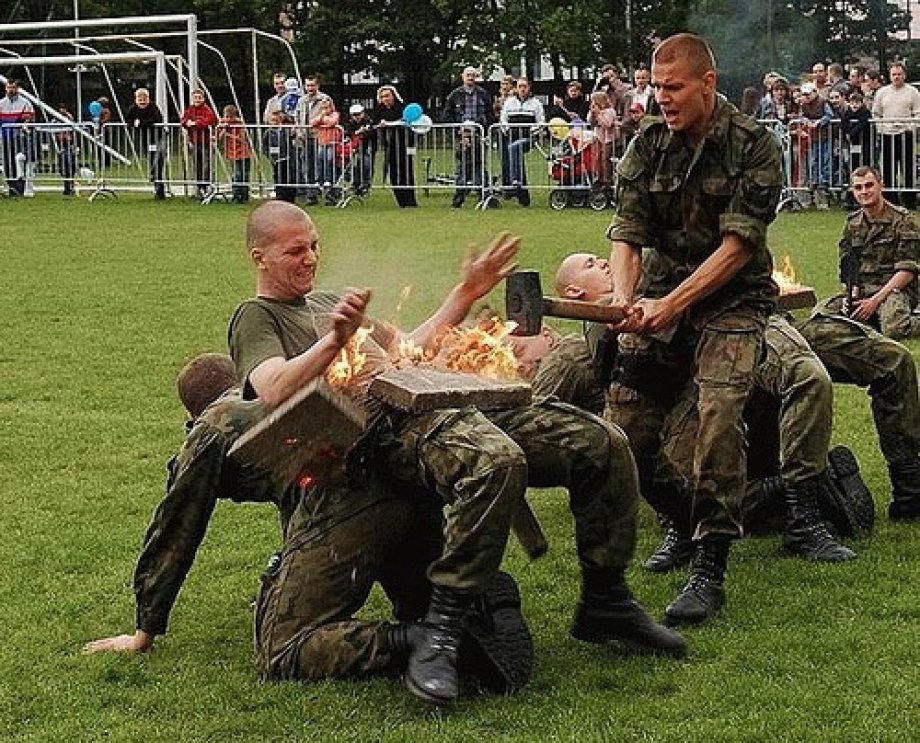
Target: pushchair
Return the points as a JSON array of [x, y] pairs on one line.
[[572, 167], [351, 183]]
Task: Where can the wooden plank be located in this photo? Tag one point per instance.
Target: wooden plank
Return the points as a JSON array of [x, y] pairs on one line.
[[307, 435], [419, 389]]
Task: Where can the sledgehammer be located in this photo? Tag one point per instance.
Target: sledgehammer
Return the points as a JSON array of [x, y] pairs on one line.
[[526, 305]]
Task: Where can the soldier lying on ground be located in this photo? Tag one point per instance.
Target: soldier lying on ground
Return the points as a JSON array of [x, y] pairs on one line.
[[480, 464], [788, 372], [363, 533]]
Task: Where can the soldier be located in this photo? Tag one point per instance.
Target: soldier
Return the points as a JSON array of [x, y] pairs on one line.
[[879, 261], [349, 533], [789, 374], [701, 185], [480, 466]]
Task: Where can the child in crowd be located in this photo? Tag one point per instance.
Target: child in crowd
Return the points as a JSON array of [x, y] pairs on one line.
[[279, 144], [328, 137], [232, 135], [603, 117]]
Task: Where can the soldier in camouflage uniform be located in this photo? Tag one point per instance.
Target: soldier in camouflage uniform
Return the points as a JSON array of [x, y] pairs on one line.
[[478, 465], [198, 476], [879, 260], [559, 366], [496, 648], [794, 389], [701, 185]]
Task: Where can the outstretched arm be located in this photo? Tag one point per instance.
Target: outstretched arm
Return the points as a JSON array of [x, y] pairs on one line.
[[481, 273]]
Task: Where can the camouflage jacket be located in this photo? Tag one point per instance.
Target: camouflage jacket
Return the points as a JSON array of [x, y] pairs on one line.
[[682, 200], [883, 246]]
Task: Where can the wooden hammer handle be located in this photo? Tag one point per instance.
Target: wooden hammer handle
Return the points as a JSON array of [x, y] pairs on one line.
[[574, 309]]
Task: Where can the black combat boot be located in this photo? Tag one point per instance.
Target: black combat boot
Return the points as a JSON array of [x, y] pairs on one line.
[[608, 612], [905, 490], [431, 674], [703, 594], [843, 498], [806, 534], [674, 552]]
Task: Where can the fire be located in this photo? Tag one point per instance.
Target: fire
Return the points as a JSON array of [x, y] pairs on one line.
[[785, 276], [350, 362], [479, 350]]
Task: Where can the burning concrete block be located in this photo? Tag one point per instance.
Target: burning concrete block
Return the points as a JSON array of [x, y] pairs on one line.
[[419, 389], [307, 435], [797, 298]]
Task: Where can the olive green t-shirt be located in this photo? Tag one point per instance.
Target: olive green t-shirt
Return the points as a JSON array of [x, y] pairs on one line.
[[263, 328]]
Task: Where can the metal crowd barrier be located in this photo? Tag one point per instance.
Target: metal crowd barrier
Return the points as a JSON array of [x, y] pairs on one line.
[[818, 160], [567, 165]]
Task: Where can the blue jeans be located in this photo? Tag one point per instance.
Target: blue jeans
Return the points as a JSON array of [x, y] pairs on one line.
[[516, 151]]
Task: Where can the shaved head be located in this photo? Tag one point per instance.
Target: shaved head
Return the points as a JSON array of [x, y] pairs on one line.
[[584, 276], [203, 379], [689, 48], [263, 223]]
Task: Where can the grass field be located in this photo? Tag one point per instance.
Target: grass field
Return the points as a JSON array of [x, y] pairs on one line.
[[102, 303]]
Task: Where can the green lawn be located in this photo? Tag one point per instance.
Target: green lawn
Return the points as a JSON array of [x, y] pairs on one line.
[[102, 303]]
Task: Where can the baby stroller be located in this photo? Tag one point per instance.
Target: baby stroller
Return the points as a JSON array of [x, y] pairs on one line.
[[572, 167], [349, 185]]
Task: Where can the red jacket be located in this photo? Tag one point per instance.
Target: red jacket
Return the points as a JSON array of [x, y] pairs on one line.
[[198, 121]]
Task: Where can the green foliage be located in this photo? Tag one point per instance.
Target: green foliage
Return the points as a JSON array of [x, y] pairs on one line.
[[104, 302]]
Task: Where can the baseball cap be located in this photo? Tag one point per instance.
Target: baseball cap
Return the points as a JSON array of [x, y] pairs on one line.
[[291, 84], [809, 88], [355, 109]]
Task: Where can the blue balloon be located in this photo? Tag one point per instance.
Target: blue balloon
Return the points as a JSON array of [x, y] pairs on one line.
[[95, 109], [412, 113]]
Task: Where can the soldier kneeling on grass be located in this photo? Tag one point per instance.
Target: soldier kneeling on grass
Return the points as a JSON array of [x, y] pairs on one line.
[[354, 535]]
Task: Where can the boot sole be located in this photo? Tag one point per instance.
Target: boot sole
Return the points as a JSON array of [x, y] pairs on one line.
[[499, 654], [424, 696], [850, 506]]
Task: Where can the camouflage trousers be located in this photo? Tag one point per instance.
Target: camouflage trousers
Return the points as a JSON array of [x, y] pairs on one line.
[[702, 437], [343, 538], [896, 318], [854, 353], [792, 374], [199, 475], [481, 463]]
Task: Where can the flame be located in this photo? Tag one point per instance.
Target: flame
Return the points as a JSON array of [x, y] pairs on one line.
[[785, 276], [479, 350], [404, 294], [350, 363]]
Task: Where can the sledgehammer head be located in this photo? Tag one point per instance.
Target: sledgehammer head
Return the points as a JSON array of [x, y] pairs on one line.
[[524, 302]]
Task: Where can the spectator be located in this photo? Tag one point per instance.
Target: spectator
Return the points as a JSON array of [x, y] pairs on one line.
[[750, 101], [521, 117], [574, 104], [278, 141], [232, 134], [397, 142], [838, 104], [777, 105], [642, 93], [308, 108], [871, 84], [359, 130], [15, 113], [856, 75], [468, 104], [836, 81], [630, 125], [816, 115], [819, 79], [274, 103], [328, 136], [505, 91], [603, 117], [858, 132], [143, 118], [199, 120], [900, 102], [66, 156]]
